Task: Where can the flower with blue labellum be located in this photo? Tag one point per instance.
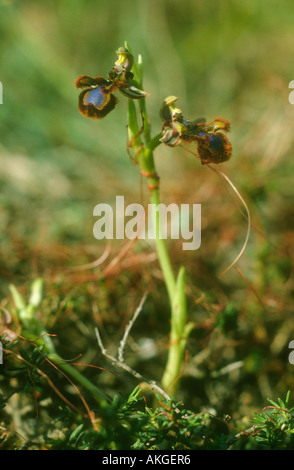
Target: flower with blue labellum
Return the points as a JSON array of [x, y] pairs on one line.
[[97, 98], [212, 145]]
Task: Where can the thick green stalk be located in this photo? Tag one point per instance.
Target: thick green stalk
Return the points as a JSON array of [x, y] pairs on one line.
[[175, 288], [146, 162], [144, 145], [180, 331]]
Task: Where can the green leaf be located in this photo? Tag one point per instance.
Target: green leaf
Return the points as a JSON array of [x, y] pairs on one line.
[[76, 433], [37, 292], [179, 303], [17, 298]]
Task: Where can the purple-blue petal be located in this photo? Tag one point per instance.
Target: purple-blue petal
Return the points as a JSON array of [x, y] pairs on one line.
[[215, 142], [96, 97]]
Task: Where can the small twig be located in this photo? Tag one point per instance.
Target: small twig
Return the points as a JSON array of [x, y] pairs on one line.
[[247, 433], [96, 263], [128, 329], [120, 255], [227, 369], [251, 287], [120, 361]]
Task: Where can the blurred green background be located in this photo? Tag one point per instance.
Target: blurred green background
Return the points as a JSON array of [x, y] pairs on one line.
[[221, 58]]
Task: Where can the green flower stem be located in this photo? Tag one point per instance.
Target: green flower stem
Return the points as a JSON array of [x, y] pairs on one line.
[[146, 162], [175, 288], [145, 159], [177, 342], [180, 331], [33, 329], [144, 145]]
